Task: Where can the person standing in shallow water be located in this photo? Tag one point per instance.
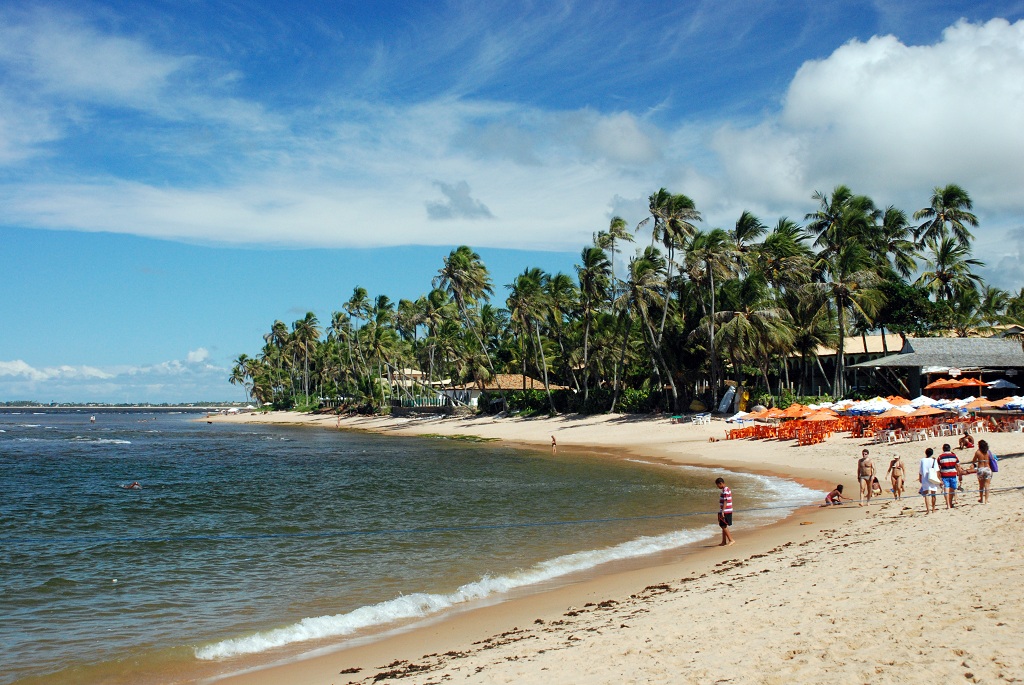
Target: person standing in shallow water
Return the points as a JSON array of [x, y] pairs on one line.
[[724, 511]]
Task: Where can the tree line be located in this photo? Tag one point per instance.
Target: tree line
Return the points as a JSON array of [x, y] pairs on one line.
[[692, 308]]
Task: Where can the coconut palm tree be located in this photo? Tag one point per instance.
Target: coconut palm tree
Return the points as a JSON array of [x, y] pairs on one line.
[[752, 326], [618, 229], [593, 273], [307, 334], [893, 245], [950, 269], [528, 304], [647, 276], [947, 214], [846, 275], [465, 278], [711, 257]]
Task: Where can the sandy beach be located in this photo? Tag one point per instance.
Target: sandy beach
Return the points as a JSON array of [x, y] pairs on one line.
[[842, 594]]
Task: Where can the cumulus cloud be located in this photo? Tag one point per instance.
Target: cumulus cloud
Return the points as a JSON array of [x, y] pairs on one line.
[[197, 356], [458, 205], [894, 120]]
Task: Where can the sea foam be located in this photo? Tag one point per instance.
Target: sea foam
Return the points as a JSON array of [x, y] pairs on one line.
[[786, 495], [420, 605]]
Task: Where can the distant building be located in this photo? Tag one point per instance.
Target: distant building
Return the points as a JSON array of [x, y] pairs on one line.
[[920, 357]]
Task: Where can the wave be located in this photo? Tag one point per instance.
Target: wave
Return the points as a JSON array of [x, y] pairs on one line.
[[100, 441], [784, 496], [420, 605]]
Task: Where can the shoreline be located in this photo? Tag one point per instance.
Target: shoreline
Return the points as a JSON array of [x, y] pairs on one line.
[[465, 644]]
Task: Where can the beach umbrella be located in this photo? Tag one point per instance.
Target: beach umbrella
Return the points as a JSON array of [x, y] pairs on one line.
[[894, 413], [980, 403], [795, 411], [1002, 383], [897, 400], [927, 411], [821, 415], [759, 415], [973, 383]]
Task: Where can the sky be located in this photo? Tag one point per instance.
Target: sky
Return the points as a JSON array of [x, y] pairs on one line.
[[174, 176]]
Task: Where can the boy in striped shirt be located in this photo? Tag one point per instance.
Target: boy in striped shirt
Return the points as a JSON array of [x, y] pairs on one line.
[[724, 511]]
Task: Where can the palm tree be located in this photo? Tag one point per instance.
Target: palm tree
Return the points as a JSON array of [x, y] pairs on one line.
[[307, 333], [847, 277], [894, 246], [783, 258], [948, 212], [465, 278], [643, 290], [562, 299], [593, 274], [752, 326], [748, 229], [843, 217], [527, 305], [618, 229], [949, 270], [241, 371], [711, 256]]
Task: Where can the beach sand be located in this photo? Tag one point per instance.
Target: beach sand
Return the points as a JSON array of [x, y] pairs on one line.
[[841, 594]]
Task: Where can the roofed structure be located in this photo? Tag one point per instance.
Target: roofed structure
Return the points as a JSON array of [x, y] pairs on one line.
[[514, 381], [959, 353]]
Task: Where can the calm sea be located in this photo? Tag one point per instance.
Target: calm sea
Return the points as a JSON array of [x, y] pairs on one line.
[[270, 541]]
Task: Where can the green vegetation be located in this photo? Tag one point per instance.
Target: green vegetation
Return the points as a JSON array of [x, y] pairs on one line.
[[693, 308]]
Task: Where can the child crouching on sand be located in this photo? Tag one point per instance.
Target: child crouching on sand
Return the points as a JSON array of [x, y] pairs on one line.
[[835, 497]]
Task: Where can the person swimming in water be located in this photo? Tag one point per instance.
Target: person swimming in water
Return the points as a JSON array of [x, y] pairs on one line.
[[134, 485]]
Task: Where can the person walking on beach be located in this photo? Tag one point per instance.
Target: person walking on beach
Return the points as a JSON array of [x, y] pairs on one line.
[[865, 472], [983, 467], [928, 488], [895, 472], [554, 445], [949, 471], [724, 511]]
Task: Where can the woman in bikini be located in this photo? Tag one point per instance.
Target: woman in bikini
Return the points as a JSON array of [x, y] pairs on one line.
[[983, 467], [895, 472]]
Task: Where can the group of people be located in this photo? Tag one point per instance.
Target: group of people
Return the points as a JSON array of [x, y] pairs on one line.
[[944, 472]]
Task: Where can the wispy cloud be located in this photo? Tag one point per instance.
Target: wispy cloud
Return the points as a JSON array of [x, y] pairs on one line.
[[889, 119]]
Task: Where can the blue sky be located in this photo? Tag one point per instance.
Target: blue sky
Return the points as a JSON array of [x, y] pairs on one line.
[[175, 176]]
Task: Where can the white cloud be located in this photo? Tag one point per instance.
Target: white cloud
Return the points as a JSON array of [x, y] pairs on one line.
[[20, 369], [60, 54], [889, 119], [173, 380], [895, 120]]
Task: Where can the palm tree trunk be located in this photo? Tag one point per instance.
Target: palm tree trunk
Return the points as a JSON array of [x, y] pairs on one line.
[[544, 361], [620, 363], [714, 357]]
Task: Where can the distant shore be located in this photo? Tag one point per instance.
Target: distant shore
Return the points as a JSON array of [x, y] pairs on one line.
[[843, 594]]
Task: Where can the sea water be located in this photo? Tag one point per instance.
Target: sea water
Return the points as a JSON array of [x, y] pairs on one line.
[[265, 541]]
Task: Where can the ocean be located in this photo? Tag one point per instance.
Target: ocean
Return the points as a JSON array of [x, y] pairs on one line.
[[267, 541]]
